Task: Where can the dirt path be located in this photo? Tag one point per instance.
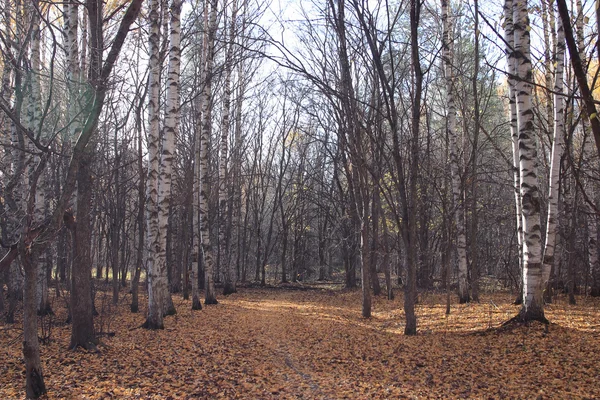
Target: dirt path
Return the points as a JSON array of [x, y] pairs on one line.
[[268, 344]]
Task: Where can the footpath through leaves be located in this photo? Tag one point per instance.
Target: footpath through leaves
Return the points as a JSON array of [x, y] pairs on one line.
[[277, 344]]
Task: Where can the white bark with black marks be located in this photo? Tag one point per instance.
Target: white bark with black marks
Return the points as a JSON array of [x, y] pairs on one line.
[[557, 152], [459, 206], [156, 280], [205, 132], [533, 305]]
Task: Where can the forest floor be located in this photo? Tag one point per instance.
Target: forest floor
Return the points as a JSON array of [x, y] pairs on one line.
[[313, 344]]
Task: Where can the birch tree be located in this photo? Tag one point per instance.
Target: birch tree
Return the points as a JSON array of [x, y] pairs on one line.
[[157, 278], [200, 57], [205, 132], [168, 145], [533, 303], [459, 208], [228, 268], [514, 132], [557, 152]]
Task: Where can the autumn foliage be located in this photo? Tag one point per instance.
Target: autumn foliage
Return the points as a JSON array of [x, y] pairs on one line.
[[313, 344]]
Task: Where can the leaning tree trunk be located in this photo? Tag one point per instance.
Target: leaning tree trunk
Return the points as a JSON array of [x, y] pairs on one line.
[[557, 152], [533, 303], [459, 207]]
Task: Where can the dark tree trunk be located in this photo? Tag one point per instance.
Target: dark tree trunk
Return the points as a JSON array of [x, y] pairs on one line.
[[140, 220], [322, 255], [35, 386], [349, 264], [580, 72], [114, 260], [15, 293], [61, 255], [475, 271], [284, 246], [82, 329], [375, 242], [410, 238], [2, 293], [386, 256]]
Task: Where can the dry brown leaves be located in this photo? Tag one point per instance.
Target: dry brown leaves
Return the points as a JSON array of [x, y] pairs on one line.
[[275, 344]]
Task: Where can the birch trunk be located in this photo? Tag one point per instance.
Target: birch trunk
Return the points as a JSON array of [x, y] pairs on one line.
[[207, 100], [557, 152], [156, 280], [548, 68], [459, 208], [168, 149], [199, 104], [533, 304], [510, 55], [237, 181], [31, 202], [225, 263], [71, 22], [34, 124]]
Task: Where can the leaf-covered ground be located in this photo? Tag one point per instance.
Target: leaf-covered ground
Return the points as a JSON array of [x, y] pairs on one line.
[[283, 344]]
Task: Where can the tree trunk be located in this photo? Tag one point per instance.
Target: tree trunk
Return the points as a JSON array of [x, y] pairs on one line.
[[35, 386], [115, 227], [228, 268], [2, 306], [82, 324], [533, 304], [474, 234], [409, 212], [207, 104], [139, 259], [459, 208], [168, 151], [509, 38], [15, 291], [374, 248], [557, 152], [156, 280], [579, 70]]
